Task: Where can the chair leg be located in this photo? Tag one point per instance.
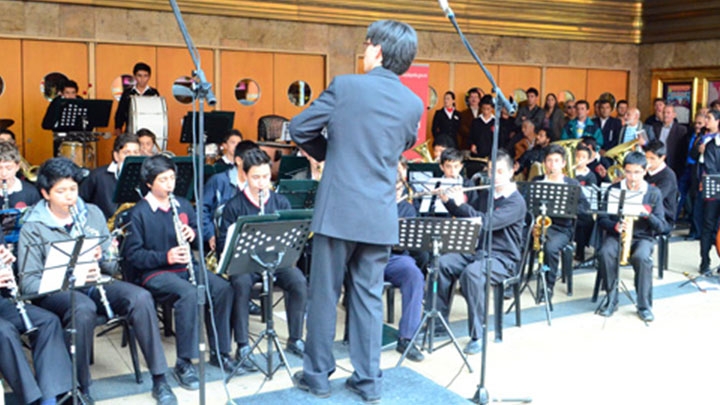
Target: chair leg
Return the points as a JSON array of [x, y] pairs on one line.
[[498, 300], [390, 298], [567, 270], [663, 247], [516, 291], [132, 342]]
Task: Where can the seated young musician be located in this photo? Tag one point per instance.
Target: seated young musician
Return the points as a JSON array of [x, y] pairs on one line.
[[403, 272], [439, 145], [99, 187], [561, 230], [645, 228], [221, 188], [160, 265], [50, 221], [585, 221], [51, 362], [257, 165], [230, 141], [536, 154], [508, 220], [662, 176], [597, 164], [451, 164], [20, 193], [148, 142]]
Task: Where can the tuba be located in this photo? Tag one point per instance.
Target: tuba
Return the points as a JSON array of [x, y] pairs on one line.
[[618, 154], [569, 145], [423, 150]]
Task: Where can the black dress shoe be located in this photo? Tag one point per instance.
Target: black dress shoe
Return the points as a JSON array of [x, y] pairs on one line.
[[368, 399], [253, 308], [302, 385], [250, 361], [163, 394], [646, 315], [296, 347], [413, 354], [608, 310], [228, 363], [186, 376]]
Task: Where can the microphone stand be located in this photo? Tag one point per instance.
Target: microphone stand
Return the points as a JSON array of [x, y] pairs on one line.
[[202, 91], [481, 395]]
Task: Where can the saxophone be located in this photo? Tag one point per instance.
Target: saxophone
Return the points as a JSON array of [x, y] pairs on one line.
[[79, 228], [626, 240], [540, 228], [180, 240]]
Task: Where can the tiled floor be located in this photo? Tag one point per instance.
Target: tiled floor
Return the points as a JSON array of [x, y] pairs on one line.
[[581, 359]]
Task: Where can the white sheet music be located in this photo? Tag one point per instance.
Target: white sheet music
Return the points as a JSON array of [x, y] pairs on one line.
[[632, 206], [432, 184], [226, 249], [57, 262]]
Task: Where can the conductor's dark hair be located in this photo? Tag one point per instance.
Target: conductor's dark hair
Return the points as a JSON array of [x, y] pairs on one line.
[[635, 158], [532, 90], [153, 166], [398, 41], [56, 169], [68, 84], [590, 142], [9, 132], [243, 147], [443, 140], [451, 155], [124, 139], [555, 149], [657, 147], [142, 66], [232, 132], [486, 100], [254, 157]]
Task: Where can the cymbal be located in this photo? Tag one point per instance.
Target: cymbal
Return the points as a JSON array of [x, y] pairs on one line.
[[6, 123]]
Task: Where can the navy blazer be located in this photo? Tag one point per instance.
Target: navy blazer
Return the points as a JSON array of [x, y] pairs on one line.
[[371, 119], [611, 131]]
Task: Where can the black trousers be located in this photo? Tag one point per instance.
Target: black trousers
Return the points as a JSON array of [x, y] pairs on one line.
[[333, 260], [175, 289], [125, 299], [470, 270], [711, 212], [641, 260], [291, 280], [557, 239], [53, 375]]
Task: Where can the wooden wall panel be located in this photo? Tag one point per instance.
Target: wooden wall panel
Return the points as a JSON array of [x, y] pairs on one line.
[[38, 59], [557, 80], [173, 63], [518, 77], [438, 79], [292, 67], [468, 75], [11, 97], [112, 61], [238, 65], [601, 81]]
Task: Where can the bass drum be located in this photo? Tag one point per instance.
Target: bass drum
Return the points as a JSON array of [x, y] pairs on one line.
[[83, 156], [149, 113]]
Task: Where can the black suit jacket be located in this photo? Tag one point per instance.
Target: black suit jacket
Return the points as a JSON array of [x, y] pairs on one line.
[[444, 125], [610, 132], [676, 146], [371, 119]]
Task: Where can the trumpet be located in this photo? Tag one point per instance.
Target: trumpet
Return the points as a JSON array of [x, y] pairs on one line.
[[79, 228], [444, 190], [180, 239]]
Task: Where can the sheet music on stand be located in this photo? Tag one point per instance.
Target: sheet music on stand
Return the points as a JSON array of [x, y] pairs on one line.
[[711, 186], [416, 234], [81, 115], [632, 203], [560, 199], [595, 195], [434, 183]]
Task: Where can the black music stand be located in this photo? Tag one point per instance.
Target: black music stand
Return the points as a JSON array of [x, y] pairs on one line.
[[291, 166], [616, 204], [129, 187], [711, 189], [263, 247], [543, 199], [300, 193], [79, 114], [217, 124], [439, 236], [80, 246]]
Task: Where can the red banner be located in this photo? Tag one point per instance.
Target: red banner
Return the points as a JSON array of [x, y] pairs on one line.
[[416, 78]]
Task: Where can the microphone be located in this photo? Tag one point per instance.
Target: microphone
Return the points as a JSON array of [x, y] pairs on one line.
[[446, 8]]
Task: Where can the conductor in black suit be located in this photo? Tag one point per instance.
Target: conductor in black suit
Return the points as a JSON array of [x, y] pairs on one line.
[[370, 119]]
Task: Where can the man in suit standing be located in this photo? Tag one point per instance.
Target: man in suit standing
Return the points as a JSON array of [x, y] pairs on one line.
[[355, 219], [610, 126], [673, 136]]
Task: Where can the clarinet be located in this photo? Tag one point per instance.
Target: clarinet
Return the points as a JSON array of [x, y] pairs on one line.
[[180, 239], [6, 195], [101, 289], [261, 197], [20, 305]]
